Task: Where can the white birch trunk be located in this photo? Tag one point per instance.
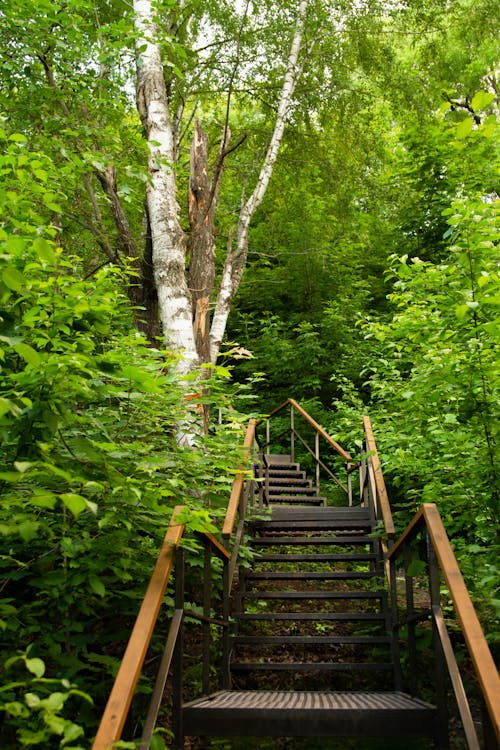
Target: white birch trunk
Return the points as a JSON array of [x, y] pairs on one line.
[[169, 253], [235, 261]]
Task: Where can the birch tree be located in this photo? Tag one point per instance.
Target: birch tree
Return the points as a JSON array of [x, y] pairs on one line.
[[184, 302]]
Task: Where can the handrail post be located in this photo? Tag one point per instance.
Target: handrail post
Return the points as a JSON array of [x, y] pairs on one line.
[[410, 624], [316, 460], [177, 718], [395, 653], [443, 739], [292, 434], [207, 606], [226, 586], [268, 435]]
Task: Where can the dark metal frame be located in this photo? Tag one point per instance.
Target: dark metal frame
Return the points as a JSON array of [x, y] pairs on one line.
[[372, 494]]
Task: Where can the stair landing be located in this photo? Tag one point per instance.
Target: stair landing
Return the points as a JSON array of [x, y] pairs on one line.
[[313, 714]]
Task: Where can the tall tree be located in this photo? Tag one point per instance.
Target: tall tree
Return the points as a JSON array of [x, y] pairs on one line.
[[184, 312]]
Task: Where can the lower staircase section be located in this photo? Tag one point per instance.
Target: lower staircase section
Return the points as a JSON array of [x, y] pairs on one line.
[[311, 651]]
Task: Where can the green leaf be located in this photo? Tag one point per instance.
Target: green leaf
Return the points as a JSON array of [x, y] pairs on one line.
[[44, 249], [464, 128], [416, 567], [15, 708], [97, 585], [18, 138], [28, 530], [157, 743], [13, 279], [27, 353], [55, 701], [32, 700], [35, 666], [41, 499], [481, 100], [75, 503]]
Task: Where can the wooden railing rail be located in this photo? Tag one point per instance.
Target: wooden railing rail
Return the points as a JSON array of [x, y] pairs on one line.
[[120, 699], [428, 520], [237, 489], [375, 478], [317, 427], [321, 467]]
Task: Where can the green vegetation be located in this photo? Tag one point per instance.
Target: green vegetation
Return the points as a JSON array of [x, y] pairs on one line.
[[372, 285]]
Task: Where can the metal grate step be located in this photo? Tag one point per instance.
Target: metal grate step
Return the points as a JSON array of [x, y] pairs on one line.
[[379, 595], [311, 666], [313, 616], [309, 714], [309, 575], [343, 539], [310, 640], [320, 557]]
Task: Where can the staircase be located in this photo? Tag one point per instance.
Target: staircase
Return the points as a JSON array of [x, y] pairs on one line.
[[311, 630], [311, 651]]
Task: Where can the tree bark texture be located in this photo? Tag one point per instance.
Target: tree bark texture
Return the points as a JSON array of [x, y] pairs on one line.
[[202, 202], [168, 242]]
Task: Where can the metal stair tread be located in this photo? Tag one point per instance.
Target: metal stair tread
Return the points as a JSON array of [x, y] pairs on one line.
[[310, 639], [310, 666], [312, 594], [312, 616], [342, 539], [274, 575], [319, 557]]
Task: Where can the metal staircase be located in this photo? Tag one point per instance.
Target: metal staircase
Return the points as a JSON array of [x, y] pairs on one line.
[[318, 632], [311, 646]]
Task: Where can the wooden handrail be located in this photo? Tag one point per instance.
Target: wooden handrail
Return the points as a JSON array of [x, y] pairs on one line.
[[234, 500], [383, 499], [313, 423], [120, 699], [217, 547], [486, 671], [117, 707]]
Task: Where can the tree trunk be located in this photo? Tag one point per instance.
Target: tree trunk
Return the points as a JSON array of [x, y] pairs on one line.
[[202, 202], [168, 244]]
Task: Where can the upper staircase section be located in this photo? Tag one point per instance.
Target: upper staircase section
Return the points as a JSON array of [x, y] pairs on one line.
[[319, 636]]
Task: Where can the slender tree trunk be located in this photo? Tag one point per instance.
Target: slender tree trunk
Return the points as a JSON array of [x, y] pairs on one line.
[[236, 259], [202, 202], [168, 243]]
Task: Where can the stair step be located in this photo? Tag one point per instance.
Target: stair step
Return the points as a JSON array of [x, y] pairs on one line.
[[272, 640], [309, 714], [353, 556], [277, 458], [352, 525], [311, 540], [281, 473], [288, 488], [310, 666], [314, 616], [277, 481], [309, 575], [312, 499], [329, 595], [336, 513]]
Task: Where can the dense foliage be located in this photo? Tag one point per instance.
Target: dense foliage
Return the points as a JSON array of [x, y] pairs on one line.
[[373, 285]]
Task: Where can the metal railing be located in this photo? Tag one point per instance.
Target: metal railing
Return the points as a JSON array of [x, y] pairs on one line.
[[306, 440], [172, 555], [426, 537], [440, 560], [441, 566]]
